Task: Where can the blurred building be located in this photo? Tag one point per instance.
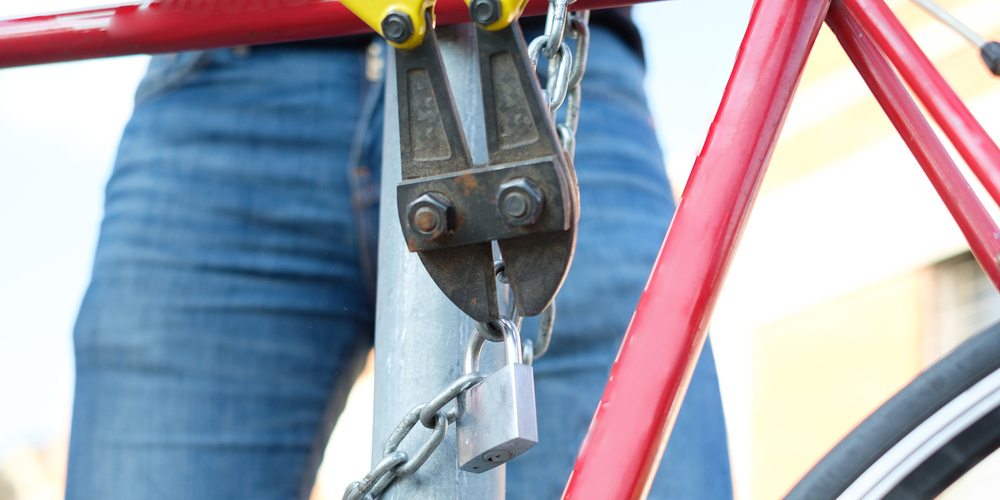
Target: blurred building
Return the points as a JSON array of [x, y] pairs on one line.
[[852, 277]]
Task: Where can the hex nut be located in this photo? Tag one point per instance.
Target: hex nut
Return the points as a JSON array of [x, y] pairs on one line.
[[519, 202], [484, 12], [397, 27], [430, 215]]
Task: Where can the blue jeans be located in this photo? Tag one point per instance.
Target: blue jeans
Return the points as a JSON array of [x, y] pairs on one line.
[[231, 300]]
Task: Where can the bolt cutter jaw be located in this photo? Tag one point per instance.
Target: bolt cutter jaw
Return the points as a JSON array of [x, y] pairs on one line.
[[525, 198]]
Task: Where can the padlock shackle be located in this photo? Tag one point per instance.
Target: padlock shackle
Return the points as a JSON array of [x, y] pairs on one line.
[[511, 342]]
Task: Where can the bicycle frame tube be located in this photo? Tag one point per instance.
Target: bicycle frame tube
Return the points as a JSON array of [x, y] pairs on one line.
[[154, 27], [649, 378], [947, 109], [976, 224], [650, 375]]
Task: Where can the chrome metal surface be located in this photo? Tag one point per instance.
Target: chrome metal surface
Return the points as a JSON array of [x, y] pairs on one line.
[[562, 64], [541, 343], [374, 483], [567, 129], [496, 419], [428, 414], [555, 26], [425, 450]]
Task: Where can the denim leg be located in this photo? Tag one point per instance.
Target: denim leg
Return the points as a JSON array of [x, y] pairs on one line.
[[228, 309], [227, 315], [625, 209]]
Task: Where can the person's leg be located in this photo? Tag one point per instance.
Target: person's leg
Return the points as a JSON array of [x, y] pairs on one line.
[[625, 208], [227, 316]]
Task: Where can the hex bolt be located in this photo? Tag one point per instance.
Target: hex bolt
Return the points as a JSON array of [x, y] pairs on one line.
[[426, 219], [515, 204], [484, 12], [397, 27], [429, 215], [519, 202]]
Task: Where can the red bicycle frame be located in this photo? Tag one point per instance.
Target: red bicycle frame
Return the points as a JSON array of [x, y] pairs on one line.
[[177, 25], [650, 375]]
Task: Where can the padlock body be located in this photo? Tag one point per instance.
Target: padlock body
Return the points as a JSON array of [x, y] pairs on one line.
[[496, 419]]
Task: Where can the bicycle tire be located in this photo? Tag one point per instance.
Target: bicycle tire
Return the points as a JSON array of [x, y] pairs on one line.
[[922, 439]]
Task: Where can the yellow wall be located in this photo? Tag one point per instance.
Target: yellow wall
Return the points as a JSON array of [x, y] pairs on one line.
[[863, 123], [819, 372]]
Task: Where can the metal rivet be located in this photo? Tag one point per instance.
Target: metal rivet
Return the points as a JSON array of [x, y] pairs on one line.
[[515, 205], [397, 27], [426, 219], [484, 12]]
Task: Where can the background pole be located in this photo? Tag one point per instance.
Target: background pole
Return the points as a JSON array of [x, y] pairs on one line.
[[420, 335]]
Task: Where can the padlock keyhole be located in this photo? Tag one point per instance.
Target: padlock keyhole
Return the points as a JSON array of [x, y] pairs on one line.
[[497, 456]]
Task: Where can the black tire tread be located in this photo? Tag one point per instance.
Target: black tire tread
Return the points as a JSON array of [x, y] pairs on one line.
[[976, 358]]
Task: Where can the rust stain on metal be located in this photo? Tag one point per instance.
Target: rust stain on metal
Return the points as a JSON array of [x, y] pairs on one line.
[[425, 220], [467, 183]]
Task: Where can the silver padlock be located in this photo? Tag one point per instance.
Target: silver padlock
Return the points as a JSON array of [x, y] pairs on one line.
[[496, 419]]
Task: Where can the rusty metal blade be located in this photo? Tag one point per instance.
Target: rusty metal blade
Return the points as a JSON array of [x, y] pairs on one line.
[[518, 125], [465, 275], [431, 138], [537, 266]]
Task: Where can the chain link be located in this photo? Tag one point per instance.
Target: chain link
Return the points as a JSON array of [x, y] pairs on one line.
[[534, 350], [530, 350], [396, 463], [555, 25], [425, 450], [565, 74], [565, 69], [560, 68]]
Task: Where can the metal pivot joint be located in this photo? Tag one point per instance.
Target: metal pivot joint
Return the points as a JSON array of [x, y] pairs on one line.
[[495, 15], [519, 202], [496, 418], [525, 198], [430, 216], [403, 23]]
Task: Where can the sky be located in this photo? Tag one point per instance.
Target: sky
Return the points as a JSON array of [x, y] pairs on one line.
[[59, 129], [58, 133]]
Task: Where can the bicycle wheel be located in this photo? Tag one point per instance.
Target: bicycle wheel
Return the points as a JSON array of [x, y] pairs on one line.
[[924, 438]]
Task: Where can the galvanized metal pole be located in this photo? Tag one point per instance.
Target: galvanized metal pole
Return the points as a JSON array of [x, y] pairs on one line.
[[420, 335]]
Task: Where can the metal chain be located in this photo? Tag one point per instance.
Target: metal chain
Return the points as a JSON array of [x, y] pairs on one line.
[[565, 69], [396, 463], [530, 351]]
